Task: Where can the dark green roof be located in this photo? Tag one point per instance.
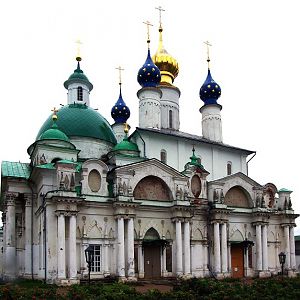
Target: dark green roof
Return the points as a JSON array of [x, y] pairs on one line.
[[15, 169], [78, 77], [285, 190], [297, 237], [81, 121], [126, 145], [53, 134]]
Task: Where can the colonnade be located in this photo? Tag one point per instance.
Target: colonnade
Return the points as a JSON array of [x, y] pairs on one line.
[[121, 269], [220, 248], [61, 245], [289, 249]]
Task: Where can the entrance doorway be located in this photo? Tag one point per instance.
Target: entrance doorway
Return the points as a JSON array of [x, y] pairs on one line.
[[237, 260], [152, 266], [152, 247]]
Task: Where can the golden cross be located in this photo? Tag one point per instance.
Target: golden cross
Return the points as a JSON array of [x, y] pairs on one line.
[[78, 42], [160, 9], [54, 110], [207, 43], [148, 30], [120, 73]]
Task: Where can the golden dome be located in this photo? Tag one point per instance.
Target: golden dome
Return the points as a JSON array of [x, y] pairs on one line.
[[166, 63]]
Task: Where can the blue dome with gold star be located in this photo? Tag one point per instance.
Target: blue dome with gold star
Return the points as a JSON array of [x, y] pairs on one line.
[[210, 91], [149, 74], [120, 111]]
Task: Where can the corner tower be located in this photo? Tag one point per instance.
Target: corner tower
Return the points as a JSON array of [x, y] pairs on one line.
[[209, 93], [169, 70], [149, 95]]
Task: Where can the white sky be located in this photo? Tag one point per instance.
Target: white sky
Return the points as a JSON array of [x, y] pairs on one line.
[[255, 59]]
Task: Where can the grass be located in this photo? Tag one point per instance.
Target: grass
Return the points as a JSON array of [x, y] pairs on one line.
[[200, 289]]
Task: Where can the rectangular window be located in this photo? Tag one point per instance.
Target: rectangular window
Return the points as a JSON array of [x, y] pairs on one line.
[[79, 94], [96, 266]]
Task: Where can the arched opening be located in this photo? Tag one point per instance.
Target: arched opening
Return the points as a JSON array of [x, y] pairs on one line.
[[79, 94], [55, 160], [237, 197], [170, 119], [153, 246], [229, 168], [152, 188], [163, 156]]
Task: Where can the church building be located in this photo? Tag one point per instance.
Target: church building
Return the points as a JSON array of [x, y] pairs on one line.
[[155, 202]]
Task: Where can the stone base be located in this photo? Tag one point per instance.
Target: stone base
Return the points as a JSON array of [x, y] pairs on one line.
[[141, 275], [186, 276], [131, 279], [67, 282], [220, 275], [122, 279], [264, 274], [292, 273]]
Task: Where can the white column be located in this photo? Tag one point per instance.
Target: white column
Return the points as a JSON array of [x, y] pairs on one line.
[[287, 246], [61, 244], [28, 216], [10, 255], [164, 262], [105, 258], [141, 261], [258, 248], [178, 248], [217, 247], [4, 242], [292, 248], [205, 258], [187, 249], [224, 248], [265, 263], [130, 248], [121, 254], [72, 248], [229, 257]]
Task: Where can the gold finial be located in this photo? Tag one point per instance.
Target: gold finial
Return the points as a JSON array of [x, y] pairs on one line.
[[207, 43], [120, 73], [160, 9], [126, 128], [148, 32], [78, 56], [54, 116]]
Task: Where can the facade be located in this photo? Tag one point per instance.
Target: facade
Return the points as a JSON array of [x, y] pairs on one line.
[[156, 203]]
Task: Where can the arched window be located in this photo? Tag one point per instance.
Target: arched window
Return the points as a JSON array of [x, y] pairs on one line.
[[229, 168], [170, 119], [94, 180], [163, 156], [79, 94]]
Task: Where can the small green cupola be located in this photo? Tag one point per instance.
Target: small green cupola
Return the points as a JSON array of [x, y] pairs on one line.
[[78, 86], [78, 77], [194, 164], [53, 133], [125, 148]]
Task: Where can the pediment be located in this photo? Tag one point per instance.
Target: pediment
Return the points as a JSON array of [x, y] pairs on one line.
[[150, 167], [237, 178]]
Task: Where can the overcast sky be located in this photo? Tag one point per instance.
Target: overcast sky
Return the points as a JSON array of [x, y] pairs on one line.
[[255, 58]]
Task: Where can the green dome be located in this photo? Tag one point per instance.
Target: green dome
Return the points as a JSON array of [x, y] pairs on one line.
[[78, 77], [126, 145], [81, 121], [53, 134]]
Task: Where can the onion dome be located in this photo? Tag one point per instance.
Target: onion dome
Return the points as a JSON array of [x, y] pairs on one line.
[[53, 133], [166, 63], [78, 77], [149, 74], [79, 120], [210, 91], [120, 111], [125, 147]]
